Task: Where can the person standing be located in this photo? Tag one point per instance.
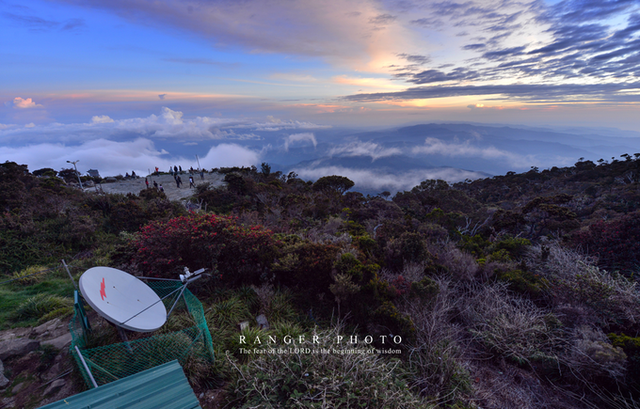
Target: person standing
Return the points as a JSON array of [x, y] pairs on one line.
[[191, 184], [179, 181], [146, 181], [155, 184], [161, 188]]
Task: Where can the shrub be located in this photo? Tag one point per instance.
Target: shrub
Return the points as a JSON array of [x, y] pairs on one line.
[[435, 357], [616, 243], [612, 299], [523, 282], [234, 253], [631, 346], [512, 326], [305, 265], [310, 380], [591, 355], [388, 316], [425, 289], [460, 265], [408, 248], [29, 275]]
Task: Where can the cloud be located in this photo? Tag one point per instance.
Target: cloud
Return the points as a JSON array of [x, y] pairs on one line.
[[73, 24], [300, 137], [30, 125], [530, 43], [523, 92], [36, 23], [367, 82], [382, 19], [112, 158], [102, 119], [415, 58], [168, 125], [338, 30], [227, 155], [375, 180], [359, 148], [20, 103], [434, 146], [31, 21]]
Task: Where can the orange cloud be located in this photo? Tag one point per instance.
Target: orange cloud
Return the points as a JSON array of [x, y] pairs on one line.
[[25, 103]]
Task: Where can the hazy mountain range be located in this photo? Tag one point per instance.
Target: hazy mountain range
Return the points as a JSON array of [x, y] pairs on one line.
[[399, 158]]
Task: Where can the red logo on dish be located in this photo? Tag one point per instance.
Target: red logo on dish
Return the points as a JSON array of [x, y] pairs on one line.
[[102, 292]]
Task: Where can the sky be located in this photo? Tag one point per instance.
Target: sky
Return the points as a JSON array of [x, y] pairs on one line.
[[117, 76]]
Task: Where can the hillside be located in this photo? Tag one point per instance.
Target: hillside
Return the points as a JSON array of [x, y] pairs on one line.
[[519, 290]]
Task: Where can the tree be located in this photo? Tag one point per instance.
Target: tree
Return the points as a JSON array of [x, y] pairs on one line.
[[266, 169], [339, 184]]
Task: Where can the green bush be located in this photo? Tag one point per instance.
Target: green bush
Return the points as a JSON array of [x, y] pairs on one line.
[[304, 265], [524, 282], [425, 289], [387, 315]]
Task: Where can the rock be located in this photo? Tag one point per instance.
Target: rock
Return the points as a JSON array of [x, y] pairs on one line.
[[243, 325], [60, 342], [54, 387], [8, 403], [262, 322], [17, 347], [18, 388], [47, 327], [11, 334], [110, 180], [3, 380]]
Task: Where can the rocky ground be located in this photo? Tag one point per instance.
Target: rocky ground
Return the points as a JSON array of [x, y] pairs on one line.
[[111, 185], [35, 365]]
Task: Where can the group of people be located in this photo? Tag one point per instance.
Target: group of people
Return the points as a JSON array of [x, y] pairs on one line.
[[176, 177], [155, 185], [173, 171]]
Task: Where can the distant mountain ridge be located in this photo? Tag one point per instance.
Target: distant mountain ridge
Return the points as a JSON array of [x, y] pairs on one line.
[[465, 150]]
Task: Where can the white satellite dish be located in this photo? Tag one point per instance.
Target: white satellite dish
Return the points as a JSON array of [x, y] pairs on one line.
[[122, 299]]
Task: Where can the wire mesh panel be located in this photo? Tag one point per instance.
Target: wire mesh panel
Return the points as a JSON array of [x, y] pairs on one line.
[[185, 336]]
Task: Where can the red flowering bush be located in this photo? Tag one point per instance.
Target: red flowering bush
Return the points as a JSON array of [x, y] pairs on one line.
[[232, 252]]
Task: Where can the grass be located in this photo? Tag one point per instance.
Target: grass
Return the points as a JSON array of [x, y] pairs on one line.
[[12, 296]]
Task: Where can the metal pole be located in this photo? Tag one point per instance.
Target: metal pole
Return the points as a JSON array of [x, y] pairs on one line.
[[86, 367], [198, 162], [77, 174], [70, 276]]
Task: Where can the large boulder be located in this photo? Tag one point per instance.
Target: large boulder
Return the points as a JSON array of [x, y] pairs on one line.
[[60, 342], [17, 347]]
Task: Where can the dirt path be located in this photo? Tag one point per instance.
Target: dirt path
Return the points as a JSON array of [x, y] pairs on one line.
[[167, 181]]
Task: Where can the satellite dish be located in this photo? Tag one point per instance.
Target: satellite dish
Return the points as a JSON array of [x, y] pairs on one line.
[[123, 299]]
